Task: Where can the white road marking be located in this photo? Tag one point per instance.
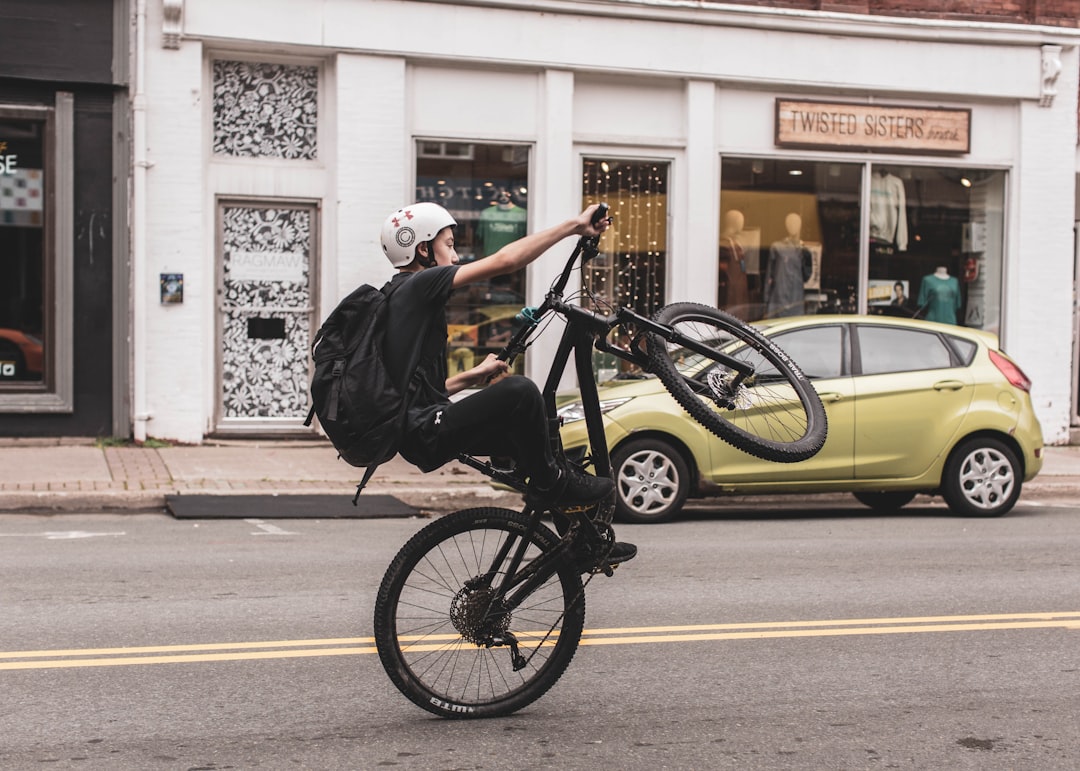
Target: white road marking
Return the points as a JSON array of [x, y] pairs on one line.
[[59, 535], [268, 529]]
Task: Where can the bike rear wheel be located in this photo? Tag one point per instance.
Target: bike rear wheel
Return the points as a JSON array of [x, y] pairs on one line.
[[438, 611], [773, 413]]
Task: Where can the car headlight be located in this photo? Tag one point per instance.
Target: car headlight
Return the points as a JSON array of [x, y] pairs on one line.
[[576, 410]]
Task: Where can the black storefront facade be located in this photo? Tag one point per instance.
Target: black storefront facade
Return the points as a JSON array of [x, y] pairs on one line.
[[64, 113]]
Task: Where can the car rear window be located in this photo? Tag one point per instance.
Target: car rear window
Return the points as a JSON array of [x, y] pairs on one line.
[[965, 349], [892, 349]]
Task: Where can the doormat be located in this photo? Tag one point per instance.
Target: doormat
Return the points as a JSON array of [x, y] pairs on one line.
[[286, 507]]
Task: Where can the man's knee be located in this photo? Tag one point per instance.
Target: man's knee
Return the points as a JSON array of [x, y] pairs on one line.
[[518, 390]]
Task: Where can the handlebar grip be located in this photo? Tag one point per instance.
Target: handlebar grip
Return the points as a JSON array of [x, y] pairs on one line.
[[600, 214]]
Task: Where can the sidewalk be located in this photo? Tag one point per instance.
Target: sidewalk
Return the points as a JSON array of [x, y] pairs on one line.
[[75, 475]]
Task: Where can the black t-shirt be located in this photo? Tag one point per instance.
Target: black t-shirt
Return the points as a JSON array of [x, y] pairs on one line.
[[417, 317]]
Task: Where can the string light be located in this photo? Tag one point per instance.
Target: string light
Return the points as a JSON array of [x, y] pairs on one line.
[[632, 273]]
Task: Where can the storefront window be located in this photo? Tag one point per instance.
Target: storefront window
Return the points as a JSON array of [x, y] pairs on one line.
[[631, 268], [23, 266], [486, 189], [789, 237], [791, 240], [632, 265], [935, 244]]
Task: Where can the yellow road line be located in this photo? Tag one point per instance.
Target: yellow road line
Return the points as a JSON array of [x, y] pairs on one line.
[[352, 646]]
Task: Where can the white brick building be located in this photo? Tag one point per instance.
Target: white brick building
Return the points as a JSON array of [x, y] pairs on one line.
[[271, 139]]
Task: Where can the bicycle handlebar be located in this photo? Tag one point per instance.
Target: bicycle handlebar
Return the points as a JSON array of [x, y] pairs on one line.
[[586, 249]]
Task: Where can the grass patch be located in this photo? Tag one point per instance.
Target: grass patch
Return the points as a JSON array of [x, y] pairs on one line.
[[121, 441]]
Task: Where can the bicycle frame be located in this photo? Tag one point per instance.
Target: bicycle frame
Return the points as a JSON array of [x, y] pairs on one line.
[[584, 330]]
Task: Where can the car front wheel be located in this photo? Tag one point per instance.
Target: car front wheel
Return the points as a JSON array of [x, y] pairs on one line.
[[982, 478], [651, 481]]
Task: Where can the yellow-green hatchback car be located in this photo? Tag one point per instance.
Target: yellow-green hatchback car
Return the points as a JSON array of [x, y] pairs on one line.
[[913, 407]]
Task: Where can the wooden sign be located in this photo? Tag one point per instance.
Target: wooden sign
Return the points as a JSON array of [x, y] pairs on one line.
[[894, 128]]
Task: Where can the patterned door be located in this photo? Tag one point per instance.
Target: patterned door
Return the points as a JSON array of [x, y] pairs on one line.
[[265, 291]]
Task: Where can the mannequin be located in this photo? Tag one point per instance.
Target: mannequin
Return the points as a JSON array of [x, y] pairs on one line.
[[939, 294], [888, 210], [500, 224], [733, 294], [784, 279]]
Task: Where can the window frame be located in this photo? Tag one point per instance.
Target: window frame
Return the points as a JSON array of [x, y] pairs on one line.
[[57, 393], [857, 350], [845, 346]]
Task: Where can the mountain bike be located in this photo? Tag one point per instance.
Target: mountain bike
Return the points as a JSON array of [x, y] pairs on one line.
[[481, 611]]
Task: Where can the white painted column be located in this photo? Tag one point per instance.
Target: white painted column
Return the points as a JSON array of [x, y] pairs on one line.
[[374, 169], [555, 195], [1039, 282], [172, 232], [692, 255]]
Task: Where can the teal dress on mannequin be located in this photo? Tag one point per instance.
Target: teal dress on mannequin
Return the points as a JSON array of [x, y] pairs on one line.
[[940, 296]]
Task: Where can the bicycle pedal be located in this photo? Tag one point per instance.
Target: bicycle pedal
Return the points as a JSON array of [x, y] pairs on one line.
[[577, 509]]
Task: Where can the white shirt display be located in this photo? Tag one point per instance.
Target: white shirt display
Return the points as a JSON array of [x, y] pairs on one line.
[[888, 210]]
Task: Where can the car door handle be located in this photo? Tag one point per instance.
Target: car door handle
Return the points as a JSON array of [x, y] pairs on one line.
[[948, 385], [830, 396]]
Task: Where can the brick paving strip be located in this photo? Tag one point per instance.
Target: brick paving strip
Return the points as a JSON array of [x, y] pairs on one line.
[[136, 468]]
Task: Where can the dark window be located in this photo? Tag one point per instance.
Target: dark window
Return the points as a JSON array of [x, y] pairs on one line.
[[23, 266], [891, 349]]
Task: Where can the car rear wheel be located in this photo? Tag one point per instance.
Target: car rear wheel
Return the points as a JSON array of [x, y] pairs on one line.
[[651, 481], [982, 478], [884, 501]]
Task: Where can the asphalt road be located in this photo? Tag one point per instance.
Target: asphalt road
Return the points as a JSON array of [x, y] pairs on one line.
[[751, 638]]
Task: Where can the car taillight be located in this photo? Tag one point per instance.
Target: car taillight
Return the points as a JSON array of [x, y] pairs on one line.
[[1012, 373]]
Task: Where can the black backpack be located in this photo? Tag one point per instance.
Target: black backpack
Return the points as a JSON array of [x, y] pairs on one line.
[[360, 407]]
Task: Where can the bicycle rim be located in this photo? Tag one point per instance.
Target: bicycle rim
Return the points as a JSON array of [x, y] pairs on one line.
[[430, 628], [772, 413]]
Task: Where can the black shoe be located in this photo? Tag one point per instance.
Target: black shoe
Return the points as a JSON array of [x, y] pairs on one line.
[[589, 561], [571, 489]]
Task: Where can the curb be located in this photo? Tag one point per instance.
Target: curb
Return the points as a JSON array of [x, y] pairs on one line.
[[428, 499], [425, 499]]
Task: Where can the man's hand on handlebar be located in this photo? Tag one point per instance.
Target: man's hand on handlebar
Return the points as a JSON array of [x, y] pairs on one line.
[[487, 371], [586, 226]]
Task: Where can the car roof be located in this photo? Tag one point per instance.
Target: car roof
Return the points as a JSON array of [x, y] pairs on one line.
[[775, 326]]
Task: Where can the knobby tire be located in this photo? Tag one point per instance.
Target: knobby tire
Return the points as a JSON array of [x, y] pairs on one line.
[[774, 414]]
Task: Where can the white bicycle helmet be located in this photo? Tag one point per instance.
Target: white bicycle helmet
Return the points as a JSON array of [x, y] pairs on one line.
[[409, 226]]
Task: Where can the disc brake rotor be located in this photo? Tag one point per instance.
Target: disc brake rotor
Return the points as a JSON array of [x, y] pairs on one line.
[[725, 390]]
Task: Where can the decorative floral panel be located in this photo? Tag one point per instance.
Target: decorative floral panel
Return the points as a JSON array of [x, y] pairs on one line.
[[266, 327], [266, 110]]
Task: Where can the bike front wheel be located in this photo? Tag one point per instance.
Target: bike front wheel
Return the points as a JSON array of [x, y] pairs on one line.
[[745, 390], [443, 626]]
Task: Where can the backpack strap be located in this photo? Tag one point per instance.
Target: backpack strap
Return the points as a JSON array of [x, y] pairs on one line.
[[363, 482], [388, 289]]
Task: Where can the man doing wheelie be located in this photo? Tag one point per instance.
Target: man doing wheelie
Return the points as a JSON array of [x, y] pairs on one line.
[[506, 417]]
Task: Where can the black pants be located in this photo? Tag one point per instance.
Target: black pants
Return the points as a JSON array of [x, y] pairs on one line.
[[507, 418]]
